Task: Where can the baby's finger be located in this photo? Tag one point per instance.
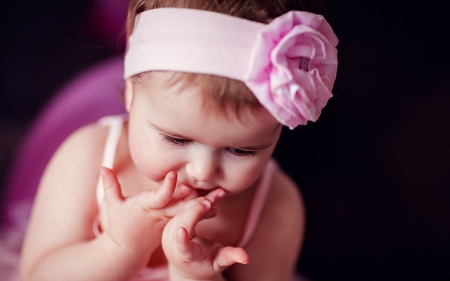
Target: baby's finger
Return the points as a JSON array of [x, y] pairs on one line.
[[189, 194], [215, 195], [159, 198], [191, 250], [111, 186], [178, 204], [186, 193], [229, 256], [193, 212], [210, 214]]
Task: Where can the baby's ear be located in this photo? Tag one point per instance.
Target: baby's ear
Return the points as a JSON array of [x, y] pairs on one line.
[[128, 94]]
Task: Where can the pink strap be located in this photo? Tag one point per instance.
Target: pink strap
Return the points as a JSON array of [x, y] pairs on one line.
[[115, 124], [258, 203]]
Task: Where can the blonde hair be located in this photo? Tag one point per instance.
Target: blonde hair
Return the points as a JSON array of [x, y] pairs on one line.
[[221, 89]]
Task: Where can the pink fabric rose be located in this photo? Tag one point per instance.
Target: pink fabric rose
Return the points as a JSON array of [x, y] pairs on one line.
[[293, 67]]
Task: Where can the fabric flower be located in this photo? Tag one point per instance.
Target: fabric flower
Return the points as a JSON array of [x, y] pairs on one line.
[[293, 67]]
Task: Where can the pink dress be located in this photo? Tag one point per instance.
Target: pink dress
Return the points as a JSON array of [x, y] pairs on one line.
[[160, 273]]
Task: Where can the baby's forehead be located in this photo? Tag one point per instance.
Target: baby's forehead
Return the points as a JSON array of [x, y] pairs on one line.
[[192, 115], [215, 90], [198, 101]]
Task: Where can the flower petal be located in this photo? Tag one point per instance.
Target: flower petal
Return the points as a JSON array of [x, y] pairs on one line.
[[293, 67]]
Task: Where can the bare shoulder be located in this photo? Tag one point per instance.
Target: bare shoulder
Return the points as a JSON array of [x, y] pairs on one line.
[[89, 137], [65, 205], [284, 211], [78, 154], [276, 243], [74, 168], [285, 195]]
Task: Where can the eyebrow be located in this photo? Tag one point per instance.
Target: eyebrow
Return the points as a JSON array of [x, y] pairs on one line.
[[168, 132], [255, 148], [251, 148]]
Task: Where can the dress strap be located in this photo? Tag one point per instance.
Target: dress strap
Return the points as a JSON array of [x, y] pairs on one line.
[[258, 202], [115, 124]]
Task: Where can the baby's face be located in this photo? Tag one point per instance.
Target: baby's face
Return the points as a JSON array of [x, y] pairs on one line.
[[174, 129]]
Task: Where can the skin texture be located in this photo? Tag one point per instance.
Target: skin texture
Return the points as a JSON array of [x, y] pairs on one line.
[[179, 193]]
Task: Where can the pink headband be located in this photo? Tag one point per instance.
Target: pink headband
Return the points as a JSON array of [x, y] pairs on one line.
[[289, 64]]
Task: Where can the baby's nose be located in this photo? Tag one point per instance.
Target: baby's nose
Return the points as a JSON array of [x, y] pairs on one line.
[[203, 167]]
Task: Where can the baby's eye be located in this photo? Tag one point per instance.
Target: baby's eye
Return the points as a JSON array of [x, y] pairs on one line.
[[175, 141], [240, 152]]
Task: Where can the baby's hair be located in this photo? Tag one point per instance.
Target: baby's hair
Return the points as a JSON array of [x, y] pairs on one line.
[[221, 89]]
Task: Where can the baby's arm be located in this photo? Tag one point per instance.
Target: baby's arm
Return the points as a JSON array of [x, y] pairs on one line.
[[60, 244], [192, 257]]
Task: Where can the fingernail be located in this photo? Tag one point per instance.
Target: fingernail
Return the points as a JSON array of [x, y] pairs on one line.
[[221, 194], [206, 203], [172, 175]]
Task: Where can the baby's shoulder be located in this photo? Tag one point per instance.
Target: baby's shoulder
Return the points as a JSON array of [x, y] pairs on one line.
[[284, 190], [280, 232], [84, 144], [284, 197], [90, 137], [74, 167]]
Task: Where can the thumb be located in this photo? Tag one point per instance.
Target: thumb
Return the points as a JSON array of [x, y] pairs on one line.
[[113, 194], [228, 256]]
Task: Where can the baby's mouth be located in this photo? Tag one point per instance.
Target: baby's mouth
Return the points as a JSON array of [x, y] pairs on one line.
[[201, 192]]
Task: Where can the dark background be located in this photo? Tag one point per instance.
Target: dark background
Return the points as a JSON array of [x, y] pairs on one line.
[[373, 170]]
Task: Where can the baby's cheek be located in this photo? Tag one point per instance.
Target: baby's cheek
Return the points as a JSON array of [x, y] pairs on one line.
[[255, 172], [151, 170], [142, 153], [155, 167], [244, 177]]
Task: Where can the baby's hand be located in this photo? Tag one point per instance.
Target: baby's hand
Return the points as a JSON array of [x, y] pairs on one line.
[[136, 223], [190, 256]]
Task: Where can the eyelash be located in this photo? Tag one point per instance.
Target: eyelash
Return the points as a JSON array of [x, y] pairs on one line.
[[184, 142], [175, 141], [240, 152]]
